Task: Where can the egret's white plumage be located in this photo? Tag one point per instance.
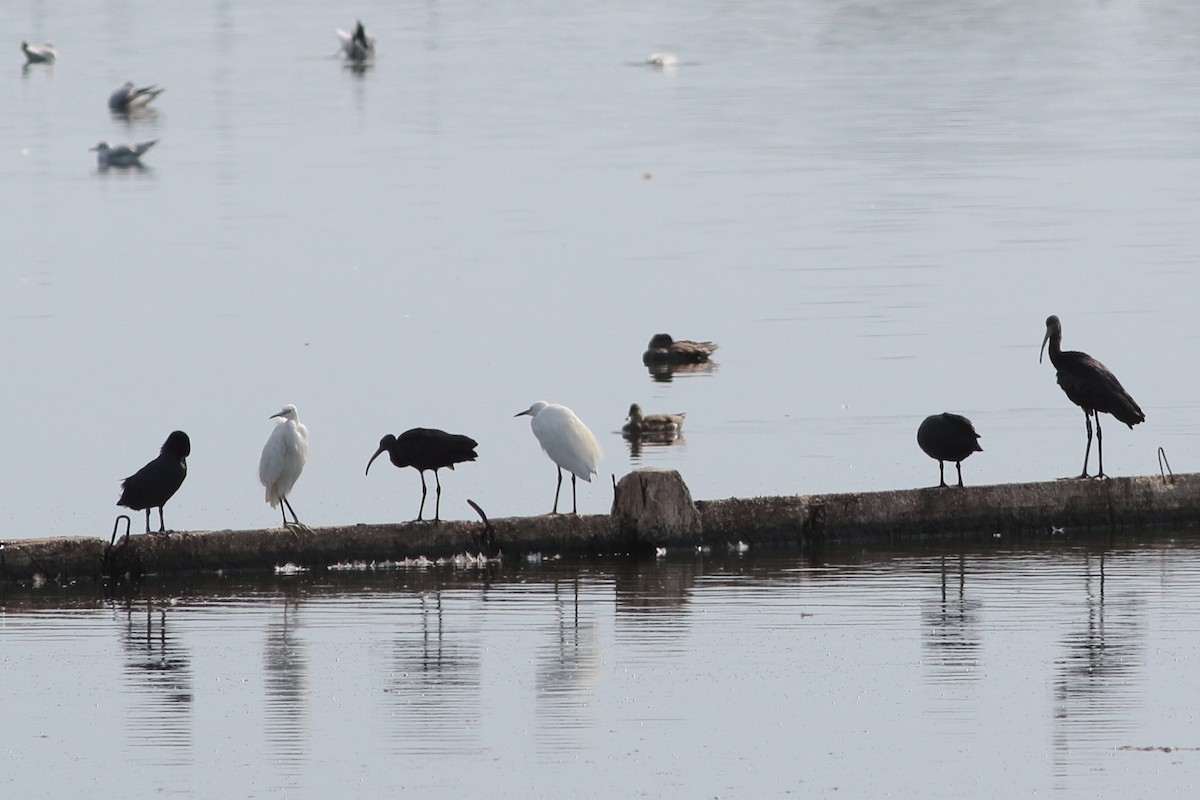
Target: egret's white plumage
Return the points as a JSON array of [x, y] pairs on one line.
[[121, 155], [128, 98], [283, 458], [567, 441], [356, 46], [39, 53]]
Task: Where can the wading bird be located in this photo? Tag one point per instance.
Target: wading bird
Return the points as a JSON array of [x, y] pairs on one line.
[[663, 425], [427, 448], [128, 98], [1089, 385], [357, 46], [282, 460], [948, 437], [39, 53], [121, 155], [156, 483], [665, 350], [567, 441]]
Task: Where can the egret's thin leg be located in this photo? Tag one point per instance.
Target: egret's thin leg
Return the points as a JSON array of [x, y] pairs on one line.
[[574, 507], [289, 508], [556, 490]]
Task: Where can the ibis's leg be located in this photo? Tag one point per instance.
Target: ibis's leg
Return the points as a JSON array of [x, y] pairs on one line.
[[424, 491], [162, 526], [942, 475], [1088, 452], [556, 489], [437, 508], [958, 466], [1099, 446], [147, 520]]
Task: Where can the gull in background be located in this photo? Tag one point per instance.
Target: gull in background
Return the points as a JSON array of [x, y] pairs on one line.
[[357, 46], [39, 53], [121, 155], [128, 98]]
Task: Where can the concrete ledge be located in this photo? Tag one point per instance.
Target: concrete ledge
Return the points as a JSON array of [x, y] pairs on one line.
[[651, 508]]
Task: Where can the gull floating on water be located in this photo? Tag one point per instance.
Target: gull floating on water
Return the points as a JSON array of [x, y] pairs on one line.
[[662, 60], [128, 98], [121, 155], [39, 53], [357, 46]]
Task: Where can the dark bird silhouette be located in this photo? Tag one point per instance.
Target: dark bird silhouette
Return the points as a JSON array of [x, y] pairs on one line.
[[427, 448], [156, 483], [665, 350], [948, 437], [1089, 385]]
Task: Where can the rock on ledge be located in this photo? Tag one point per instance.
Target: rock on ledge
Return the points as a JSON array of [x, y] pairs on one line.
[[654, 503]]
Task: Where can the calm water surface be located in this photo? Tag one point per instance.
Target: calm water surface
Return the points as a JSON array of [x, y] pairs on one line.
[[1060, 668], [872, 206]]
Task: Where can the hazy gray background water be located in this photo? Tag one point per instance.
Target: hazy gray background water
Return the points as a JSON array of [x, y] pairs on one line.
[[1062, 669], [871, 206]]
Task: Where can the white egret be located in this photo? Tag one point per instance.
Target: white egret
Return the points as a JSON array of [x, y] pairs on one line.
[[567, 441], [156, 483], [39, 53], [357, 46], [121, 155], [282, 460], [128, 98]]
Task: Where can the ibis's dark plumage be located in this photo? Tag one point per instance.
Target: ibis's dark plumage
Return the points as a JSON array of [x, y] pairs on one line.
[[427, 448], [948, 437], [665, 350], [1089, 385], [156, 483]]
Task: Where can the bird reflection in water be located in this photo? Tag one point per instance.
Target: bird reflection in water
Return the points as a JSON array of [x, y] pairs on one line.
[[951, 627], [663, 372], [159, 676], [1097, 683], [436, 680], [567, 670], [285, 683]]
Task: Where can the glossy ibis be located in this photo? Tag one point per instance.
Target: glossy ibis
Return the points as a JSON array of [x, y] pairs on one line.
[[157, 482], [427, 448], [1089, 385], [282, 460], [567, 441], [948, 437]]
